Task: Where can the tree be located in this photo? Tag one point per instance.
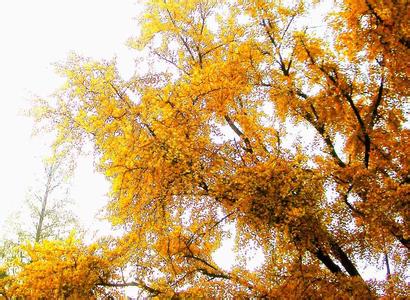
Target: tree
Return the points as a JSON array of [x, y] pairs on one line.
[[47, 213], [51, 215], [204, 143]]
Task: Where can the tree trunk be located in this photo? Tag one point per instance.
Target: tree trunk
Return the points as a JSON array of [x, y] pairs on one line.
[[39, 228]]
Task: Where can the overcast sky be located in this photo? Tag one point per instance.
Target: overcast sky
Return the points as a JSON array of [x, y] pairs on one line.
[[33, 36]]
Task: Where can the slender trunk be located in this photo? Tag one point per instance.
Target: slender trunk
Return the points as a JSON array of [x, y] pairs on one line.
[[42, 215]]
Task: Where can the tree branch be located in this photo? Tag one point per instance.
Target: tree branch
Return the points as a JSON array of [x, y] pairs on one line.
[[239, 133], [377, 104]]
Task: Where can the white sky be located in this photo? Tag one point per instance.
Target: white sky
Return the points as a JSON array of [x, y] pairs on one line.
[[33, 36]]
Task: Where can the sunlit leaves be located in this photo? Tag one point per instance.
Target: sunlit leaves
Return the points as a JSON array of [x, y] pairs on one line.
[[207, 143], [58, 269]]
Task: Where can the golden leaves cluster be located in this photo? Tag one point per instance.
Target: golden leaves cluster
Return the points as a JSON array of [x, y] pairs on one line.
[[206, 143]]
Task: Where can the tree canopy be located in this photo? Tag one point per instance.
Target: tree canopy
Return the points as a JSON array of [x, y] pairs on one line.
[[206, 137]]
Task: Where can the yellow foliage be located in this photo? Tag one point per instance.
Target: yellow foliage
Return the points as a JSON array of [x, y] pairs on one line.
[[206, 144]]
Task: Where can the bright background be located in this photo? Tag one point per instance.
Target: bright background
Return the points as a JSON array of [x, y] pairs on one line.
[[34, 35]]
